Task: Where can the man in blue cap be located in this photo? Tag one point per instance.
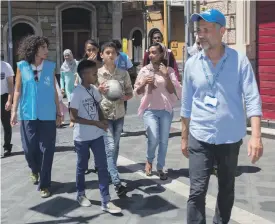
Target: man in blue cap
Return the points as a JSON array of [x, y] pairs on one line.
[[215, 82]]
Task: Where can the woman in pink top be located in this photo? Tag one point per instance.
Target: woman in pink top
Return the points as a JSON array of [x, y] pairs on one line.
[[158, 86]]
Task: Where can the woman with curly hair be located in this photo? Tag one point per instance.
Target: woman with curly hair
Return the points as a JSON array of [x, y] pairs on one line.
[[38, 111]]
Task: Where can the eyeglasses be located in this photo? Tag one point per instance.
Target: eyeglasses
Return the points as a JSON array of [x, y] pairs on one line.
[[35, 72]]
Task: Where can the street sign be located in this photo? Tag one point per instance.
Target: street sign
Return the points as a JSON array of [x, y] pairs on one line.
[[177, 2]]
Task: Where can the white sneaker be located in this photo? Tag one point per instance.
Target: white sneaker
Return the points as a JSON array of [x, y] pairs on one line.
[[111, 208], [83, 201]]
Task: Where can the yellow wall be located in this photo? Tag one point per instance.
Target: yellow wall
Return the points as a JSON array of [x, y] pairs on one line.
[[177, 32], [155, 20]]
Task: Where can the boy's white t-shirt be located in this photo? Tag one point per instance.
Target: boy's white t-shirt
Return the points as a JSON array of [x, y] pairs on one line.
[[84, 101]]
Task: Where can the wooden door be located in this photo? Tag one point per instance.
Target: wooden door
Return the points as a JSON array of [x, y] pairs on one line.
[[75, 41]]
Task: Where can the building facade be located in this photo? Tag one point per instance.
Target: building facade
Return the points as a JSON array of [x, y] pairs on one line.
[[67, 24]]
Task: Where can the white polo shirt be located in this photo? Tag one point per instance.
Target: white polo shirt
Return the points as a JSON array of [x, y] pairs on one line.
[[6, 71]]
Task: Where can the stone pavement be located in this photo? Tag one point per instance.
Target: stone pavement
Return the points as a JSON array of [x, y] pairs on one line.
[[149, 200]]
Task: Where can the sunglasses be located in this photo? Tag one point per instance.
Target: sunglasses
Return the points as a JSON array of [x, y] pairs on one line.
[[35, 72]]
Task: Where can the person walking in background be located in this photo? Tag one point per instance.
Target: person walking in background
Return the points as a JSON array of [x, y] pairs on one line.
[[196, 48], [68, 75], [39, 112], [158, 85], [157, 37], [215, 82], [88, 134], [7, 75], [123, 62], [92, 53]]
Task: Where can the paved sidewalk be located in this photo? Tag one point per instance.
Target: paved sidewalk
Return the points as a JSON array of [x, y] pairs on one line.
[[149, 200]]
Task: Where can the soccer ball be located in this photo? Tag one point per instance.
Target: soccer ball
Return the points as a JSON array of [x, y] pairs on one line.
[[115, 91]]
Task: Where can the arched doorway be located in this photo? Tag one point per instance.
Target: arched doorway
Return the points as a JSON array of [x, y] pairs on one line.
[[19, 31], [59, 9], [76, 30], [137, 46]]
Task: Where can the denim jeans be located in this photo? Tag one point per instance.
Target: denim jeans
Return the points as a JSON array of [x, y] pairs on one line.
[[201, 159], [157, 124], [38, 141], [115, 129], [112, 168], [82, 150]]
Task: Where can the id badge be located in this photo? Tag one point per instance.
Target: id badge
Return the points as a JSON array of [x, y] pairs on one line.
[[210, 101]]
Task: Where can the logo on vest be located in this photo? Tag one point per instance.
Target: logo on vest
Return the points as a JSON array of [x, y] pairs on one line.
[[47, 81]]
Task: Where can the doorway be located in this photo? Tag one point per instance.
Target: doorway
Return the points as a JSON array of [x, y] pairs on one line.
[[137, 46], [19, 31], [76, 29]]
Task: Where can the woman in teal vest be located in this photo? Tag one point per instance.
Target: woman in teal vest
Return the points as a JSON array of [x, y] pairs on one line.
[[38, 110], [68, 75]]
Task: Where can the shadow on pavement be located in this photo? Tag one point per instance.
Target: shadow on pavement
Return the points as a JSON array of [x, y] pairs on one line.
[[133, 133], [175, 174], [131, 168], [64, 148], [145, 185], [247, 169], [18, 153], [70, 187], [144, 206]]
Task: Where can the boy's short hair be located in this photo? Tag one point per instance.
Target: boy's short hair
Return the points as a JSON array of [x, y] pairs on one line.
[[108, 44], [84, 64]]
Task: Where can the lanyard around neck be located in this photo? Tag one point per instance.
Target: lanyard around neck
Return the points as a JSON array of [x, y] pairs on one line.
[[215, 76]]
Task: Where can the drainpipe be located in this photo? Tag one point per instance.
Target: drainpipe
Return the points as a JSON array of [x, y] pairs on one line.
[[169, 23], [165, 25], [10, 47], [187, 35], [145, 24]]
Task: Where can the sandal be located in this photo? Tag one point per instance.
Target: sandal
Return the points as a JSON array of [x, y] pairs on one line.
[[148, 169]]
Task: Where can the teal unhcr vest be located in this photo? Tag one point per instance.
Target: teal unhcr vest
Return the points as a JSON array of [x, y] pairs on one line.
[[37, 100]]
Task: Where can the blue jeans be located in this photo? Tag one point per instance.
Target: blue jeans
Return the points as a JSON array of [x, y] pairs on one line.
[[157, 124], [115, 129], [98, 149], [38, 141], [112, 168]]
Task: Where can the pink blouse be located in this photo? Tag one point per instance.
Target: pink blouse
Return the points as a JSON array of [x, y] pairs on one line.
[[157, 97]]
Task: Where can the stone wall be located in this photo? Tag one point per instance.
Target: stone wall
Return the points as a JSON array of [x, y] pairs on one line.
[[43, 14], [228, 8], [43, 17]]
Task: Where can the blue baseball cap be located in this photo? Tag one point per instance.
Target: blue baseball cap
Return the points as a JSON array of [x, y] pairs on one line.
[[211, 16]]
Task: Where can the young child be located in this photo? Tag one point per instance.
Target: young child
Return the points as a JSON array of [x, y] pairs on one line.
[[88, 133]]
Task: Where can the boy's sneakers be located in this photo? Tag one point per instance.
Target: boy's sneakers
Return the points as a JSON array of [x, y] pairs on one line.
[[45, 193], [111, 208], [120, 190], [34, 178], [83, 201]]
